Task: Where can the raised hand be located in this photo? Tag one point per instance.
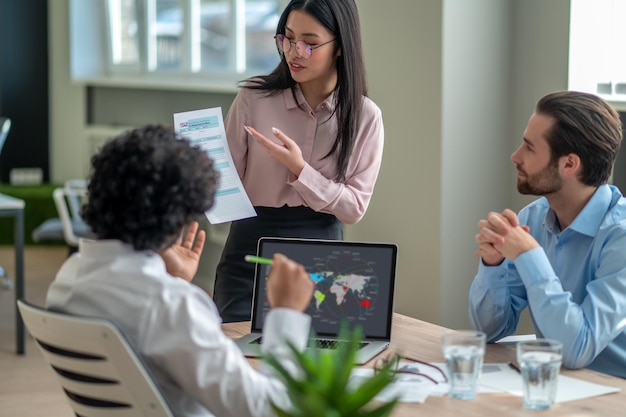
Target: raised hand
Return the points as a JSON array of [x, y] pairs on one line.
[[182, 258]]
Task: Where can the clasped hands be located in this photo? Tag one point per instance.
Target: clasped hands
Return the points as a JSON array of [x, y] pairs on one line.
[[501, 236]]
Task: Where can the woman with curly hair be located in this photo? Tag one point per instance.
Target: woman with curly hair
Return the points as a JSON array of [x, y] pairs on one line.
[[146, 187]]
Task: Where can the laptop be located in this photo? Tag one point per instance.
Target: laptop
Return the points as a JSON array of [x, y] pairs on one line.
[[354, 281]]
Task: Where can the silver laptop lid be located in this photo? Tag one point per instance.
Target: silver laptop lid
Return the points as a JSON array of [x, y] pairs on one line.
[[353, 281]]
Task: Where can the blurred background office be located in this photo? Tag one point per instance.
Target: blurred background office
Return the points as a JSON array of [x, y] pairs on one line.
[[456, 80]]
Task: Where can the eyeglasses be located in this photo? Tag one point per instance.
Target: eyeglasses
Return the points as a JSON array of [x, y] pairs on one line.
[[303, 49], [412, 369]]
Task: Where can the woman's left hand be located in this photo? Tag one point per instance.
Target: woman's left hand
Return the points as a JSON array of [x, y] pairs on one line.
[[288, 154], [183, 257]]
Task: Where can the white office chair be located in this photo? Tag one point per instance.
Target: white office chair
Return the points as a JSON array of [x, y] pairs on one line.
[[69, 226], [100, 372]]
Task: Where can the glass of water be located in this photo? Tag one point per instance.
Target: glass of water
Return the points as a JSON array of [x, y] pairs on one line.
[[464, 351], [540, 362]]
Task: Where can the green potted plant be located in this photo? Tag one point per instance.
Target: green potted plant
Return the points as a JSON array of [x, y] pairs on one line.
[[321, 387]]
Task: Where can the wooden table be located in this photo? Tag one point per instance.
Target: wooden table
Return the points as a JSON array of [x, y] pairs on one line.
[[14, 207], [421, 340]]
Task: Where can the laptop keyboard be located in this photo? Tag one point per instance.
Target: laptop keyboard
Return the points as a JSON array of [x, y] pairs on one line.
[[318, 343], [329, 343]]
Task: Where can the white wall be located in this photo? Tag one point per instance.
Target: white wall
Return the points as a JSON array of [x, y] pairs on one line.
[[67, 101], [475, 130], [540, 61], [456, 81], [403, 58], [456, 85]]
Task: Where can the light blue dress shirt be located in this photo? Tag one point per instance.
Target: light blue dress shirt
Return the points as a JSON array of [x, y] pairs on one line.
[[574, 284]]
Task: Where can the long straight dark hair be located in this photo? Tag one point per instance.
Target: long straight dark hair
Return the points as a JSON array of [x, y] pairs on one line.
[[341, 18]]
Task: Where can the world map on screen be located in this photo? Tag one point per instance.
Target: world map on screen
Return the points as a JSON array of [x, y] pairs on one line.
[[346, 286]]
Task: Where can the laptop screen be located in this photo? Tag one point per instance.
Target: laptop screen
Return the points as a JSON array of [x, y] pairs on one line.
[[353, 281]]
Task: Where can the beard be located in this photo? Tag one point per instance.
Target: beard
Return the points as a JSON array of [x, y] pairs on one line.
[[546, 181]]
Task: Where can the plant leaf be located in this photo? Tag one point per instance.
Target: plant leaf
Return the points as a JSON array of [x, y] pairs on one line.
[[365, 392], [321, 387]]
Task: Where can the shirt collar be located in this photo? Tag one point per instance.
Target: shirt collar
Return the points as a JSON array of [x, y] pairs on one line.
[[589, 219], [290, 103], [108, 248]]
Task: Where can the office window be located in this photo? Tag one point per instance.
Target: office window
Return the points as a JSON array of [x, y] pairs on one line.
[[185, 41], [123, 36], [597, 62]]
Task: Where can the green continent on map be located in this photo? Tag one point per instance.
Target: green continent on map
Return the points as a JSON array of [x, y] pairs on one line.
[[338, 286], [319, 298]]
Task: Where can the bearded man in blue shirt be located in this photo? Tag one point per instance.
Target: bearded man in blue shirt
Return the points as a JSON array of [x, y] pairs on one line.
[[564, 256]]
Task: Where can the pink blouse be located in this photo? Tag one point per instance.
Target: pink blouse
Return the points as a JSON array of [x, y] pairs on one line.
[[270, 184]]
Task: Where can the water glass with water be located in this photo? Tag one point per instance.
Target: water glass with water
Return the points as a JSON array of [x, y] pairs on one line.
[[540, 362], [464, 351]]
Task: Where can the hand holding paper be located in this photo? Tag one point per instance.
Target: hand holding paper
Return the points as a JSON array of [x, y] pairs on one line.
[[205, 128]]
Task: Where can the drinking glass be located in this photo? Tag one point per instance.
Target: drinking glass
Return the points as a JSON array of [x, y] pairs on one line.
[[540, 362], [464, 351]]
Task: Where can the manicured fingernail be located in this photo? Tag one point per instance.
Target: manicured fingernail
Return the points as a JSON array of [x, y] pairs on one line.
[[275, 131], [247, 130]]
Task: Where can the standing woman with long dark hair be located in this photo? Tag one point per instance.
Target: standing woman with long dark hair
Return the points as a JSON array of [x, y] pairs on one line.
[[306, 140]]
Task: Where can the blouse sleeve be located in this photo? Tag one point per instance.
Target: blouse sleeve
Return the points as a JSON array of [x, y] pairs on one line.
[[235, 134], [348, 200]]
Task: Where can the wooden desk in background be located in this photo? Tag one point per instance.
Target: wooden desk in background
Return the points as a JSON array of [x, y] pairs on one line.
[[421, 340]]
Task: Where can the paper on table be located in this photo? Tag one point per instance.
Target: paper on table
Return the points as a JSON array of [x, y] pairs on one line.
[[513, 339], [499, 376], [407, 388], [205, 128], [495, 377]]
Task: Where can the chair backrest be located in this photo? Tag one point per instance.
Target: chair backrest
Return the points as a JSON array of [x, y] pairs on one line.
[[75, 192], [5, 126], [100, 372], [68, 200], [69, 226]]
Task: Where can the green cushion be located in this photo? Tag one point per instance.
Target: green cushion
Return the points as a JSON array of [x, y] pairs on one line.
[[39, 207]]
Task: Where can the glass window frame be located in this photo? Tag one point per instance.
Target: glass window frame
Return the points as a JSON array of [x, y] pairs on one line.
[[91, 55], [596, 34]]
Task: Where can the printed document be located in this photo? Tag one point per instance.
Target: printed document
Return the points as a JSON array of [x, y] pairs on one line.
[[205, 128], [501, 377], [495, 377]]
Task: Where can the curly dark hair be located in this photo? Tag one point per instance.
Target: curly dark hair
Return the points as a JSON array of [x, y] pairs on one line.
[[146, 185]]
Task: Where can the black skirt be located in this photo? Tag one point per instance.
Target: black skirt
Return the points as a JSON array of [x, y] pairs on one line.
[[234, 278]]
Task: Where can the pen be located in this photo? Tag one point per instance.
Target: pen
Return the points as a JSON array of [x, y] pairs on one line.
[[268, 261], [514, 367], [257, 259]]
